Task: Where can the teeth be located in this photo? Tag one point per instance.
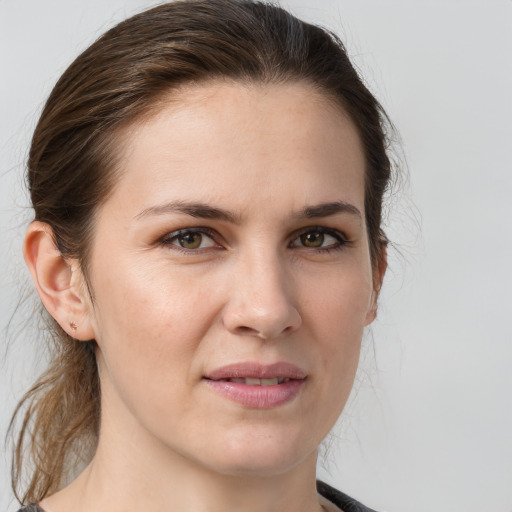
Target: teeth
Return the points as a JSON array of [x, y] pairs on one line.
[[260, 382]]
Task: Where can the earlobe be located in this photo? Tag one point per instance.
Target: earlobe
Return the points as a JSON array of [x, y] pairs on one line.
[[56, 282]]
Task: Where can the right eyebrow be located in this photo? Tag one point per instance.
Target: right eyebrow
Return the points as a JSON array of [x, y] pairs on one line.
[[194, 209]]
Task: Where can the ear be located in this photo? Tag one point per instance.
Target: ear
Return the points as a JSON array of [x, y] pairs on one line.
[[59, 282], [378, 276]]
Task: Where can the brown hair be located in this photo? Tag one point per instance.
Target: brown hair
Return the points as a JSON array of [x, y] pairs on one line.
[[72, 167]]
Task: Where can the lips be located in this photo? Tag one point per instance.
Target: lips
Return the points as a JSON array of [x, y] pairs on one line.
[[253, 370], [257, 386], [259, 382]]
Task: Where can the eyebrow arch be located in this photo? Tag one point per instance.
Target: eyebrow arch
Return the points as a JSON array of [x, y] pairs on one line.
[[199, 210], [328, 209]]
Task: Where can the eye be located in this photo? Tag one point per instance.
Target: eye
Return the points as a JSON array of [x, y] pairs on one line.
[[320, 238], [190, 240]]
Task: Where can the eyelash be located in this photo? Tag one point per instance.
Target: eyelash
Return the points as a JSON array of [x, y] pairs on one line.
[[168, 239], [341, 238]]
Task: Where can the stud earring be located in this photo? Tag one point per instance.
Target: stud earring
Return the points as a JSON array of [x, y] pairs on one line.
[[73, 326]]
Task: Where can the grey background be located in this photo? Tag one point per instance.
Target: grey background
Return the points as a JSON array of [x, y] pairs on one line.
[[430, 427]]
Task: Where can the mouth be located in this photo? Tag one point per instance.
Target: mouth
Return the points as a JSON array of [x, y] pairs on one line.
[[257, 386], [257, 374], [249, 381]]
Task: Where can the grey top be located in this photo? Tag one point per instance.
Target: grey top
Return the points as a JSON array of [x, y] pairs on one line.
[[340, 499]]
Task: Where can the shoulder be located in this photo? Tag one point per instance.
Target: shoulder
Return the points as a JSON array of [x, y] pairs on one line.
[[340, 499]]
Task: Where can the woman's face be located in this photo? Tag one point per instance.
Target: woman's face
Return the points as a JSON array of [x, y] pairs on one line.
[[231, 278]]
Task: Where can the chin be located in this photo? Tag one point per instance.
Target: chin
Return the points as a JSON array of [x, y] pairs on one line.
[[261, 454]]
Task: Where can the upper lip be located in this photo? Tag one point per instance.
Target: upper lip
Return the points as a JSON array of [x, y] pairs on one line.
[[255, 370]]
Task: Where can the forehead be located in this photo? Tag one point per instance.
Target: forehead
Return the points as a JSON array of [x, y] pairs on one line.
[[242, 143]]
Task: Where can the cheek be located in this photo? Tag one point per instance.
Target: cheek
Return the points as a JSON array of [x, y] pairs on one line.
[[137, 298], [149, 323], [337, 302], [148, 333], [336, 314]]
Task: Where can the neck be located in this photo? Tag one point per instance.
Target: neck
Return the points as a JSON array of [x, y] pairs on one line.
[[119, 487]]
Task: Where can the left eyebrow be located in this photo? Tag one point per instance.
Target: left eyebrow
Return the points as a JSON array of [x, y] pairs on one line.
[[328, 209]]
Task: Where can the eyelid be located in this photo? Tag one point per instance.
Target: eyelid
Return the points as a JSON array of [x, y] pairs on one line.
[[323, 229], [167, 239], [341, 237]]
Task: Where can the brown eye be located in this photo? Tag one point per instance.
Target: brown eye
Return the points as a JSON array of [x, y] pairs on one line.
[[320, 238], [190, 240], [312, 239]]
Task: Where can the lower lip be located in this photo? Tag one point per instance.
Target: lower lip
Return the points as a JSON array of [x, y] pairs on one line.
[[257, 397]]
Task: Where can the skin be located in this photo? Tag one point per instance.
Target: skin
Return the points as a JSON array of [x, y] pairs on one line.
[[254, 289]]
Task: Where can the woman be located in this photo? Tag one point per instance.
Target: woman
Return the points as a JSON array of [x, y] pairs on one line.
[[207, 180]]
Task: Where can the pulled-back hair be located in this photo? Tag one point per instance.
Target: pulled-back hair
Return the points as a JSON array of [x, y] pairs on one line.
[[72, 168]]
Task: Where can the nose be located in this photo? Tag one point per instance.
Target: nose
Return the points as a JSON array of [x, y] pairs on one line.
[[261, 301]]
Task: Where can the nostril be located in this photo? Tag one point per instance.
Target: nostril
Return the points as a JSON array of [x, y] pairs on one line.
[[242, 329]]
